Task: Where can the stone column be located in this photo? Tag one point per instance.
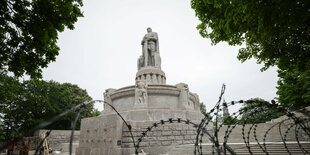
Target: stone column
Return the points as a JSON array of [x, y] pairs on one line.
[[154, 79], [159, 79]]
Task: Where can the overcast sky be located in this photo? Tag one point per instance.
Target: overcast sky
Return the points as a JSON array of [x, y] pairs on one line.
[[102, 51]]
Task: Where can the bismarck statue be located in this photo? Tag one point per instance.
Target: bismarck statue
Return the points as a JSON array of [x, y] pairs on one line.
[[150, 51], [150, 100]]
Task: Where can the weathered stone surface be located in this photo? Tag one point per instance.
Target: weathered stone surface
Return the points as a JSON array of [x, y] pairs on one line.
[[59, 139], [151, 75], [150, 51], [141, 94], [158, 97], [147, 102]]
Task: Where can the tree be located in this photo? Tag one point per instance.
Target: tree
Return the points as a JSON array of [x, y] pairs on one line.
[[274, 32], [27, 104], [9, 90], [203, 108], [228, 120], [204, 112], [29, 32], [257, 110], [294, 88]]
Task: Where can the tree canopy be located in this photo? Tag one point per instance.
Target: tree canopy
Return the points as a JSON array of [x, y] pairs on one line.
[[29, 32], [257, 110], [274, 32], [23, 105]]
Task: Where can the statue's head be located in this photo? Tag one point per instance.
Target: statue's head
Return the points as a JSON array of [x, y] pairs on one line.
[[149, 29]]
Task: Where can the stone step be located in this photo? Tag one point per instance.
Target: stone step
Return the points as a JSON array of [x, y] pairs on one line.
[[272, 148]]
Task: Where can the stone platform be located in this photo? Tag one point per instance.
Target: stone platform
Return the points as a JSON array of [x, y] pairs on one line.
[[108, 134]]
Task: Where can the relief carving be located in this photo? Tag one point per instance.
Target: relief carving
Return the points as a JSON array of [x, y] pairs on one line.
[[141, 93]]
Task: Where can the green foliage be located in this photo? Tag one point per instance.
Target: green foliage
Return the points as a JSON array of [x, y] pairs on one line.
[[257, 110], [294, 88], [29, 32], [228, 120], [9, 99], [203, 108], [274, 32], [96, 112], [204, 111], [27, 104], [270, 29]]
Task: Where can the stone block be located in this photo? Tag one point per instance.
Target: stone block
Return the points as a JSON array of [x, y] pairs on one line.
[[193, 136], [127, 145], [155, 143], [82, 151], [170, 137], [185, 127], [95, 151], [180, 142], [166, 133], [176, 133], [149, 138], [191, 132], [136, 133], [179, 128], [187, 137], [162, 138], [183, 132], [127, 139], [188, 142], [144, 144], [166, 143], [157, 133], [174, 143], [172, 127], [126, 134], [179, 137]]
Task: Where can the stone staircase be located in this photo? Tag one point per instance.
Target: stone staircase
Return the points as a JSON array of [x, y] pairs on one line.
[[273, 148]]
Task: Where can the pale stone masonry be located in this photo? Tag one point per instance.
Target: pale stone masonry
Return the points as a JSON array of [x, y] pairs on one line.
[[59, 140], [166, 135], [149, 100]]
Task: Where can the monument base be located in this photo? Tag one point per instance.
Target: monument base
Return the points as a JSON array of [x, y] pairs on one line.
[[108, 134]]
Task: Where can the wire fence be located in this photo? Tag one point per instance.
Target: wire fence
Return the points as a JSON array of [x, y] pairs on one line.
[[213, 117], [299, 123]]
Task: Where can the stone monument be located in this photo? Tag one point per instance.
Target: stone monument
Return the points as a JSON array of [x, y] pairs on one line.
[[149, 101], [150, 50]]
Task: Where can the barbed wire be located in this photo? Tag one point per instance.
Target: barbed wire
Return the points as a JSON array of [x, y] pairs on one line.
[[269, 110], [298, 124]]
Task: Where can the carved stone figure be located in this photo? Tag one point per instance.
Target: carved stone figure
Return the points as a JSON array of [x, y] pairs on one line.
[[140, 62], [184, 95], [141, 93], [150, 50]]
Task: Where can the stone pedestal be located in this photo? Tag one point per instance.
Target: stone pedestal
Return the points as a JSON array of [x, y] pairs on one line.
[[107, 133], [151, 75]]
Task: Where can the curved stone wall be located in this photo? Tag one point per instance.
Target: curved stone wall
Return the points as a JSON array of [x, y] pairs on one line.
[[159, 97]]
